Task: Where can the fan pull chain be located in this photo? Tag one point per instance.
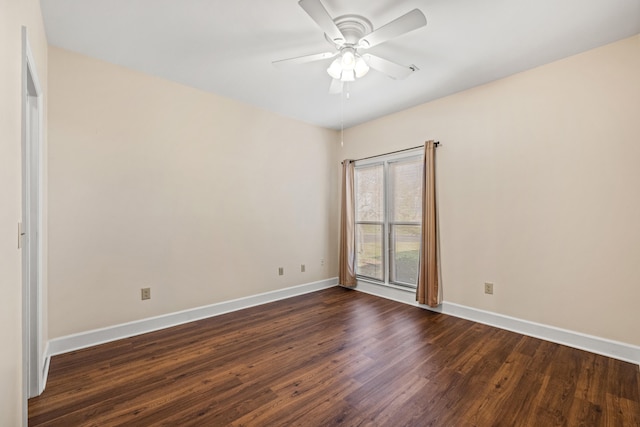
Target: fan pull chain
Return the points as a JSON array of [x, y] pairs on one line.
[[345, 90], [342, 119]]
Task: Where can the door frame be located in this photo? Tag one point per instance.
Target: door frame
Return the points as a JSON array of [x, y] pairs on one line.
[[30, 238]]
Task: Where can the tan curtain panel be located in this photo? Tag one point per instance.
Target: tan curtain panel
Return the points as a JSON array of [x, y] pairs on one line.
[[428, 288], [347, 271]]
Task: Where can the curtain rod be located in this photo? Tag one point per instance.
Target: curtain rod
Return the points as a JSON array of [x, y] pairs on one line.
[[435, 144]]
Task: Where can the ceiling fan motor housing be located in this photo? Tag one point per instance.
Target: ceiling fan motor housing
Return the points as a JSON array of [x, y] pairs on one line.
[[353, 28]]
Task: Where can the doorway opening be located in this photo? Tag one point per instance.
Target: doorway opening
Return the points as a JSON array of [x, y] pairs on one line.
[[30, 230]]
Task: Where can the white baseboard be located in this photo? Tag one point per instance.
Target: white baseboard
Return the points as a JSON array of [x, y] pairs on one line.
[[125, 330], [614, 349], [605, 347]]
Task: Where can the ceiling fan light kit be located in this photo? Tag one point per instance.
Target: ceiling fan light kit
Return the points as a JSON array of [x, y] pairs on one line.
[[349, 34], [361, 67], [348, 66]]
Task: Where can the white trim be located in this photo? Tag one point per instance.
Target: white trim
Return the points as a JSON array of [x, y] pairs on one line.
[[125, 330], [614, 349], [603, 346], [33, 361], [591, 343]]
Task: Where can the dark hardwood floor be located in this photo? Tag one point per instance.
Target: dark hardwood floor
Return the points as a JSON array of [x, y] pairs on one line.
[[336, 357]]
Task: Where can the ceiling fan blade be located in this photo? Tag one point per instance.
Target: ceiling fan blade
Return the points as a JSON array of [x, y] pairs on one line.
[[304, 59], [404, 24], [319, 14], [336, 86], [391, 69]]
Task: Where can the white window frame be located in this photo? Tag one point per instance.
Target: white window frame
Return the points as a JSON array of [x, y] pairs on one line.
[[385, 160]]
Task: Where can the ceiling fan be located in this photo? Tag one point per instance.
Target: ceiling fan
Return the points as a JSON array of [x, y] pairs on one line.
[[351, 36]]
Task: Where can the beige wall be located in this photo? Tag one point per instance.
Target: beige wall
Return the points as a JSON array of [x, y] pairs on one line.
[[201, 198], [539, 190], [13, 15]]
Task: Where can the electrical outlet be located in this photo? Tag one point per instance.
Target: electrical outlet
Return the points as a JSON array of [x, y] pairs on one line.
[[322, 262], [488, 288], [302, 268], [280, 271], [145, 293]]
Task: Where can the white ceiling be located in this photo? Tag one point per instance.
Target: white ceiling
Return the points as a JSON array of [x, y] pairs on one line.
[[226, 47]]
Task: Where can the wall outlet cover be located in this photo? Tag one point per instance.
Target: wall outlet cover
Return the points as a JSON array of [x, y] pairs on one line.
[[488, 288]]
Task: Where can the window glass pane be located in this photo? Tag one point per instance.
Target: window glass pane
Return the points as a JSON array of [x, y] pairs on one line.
[[405, 250], [406, 191], [369, 260], [369, 188]]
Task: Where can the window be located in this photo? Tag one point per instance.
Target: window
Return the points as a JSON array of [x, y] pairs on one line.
[[388, 198]]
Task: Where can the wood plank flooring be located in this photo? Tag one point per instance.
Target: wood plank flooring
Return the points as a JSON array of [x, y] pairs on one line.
[[336, 357]]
